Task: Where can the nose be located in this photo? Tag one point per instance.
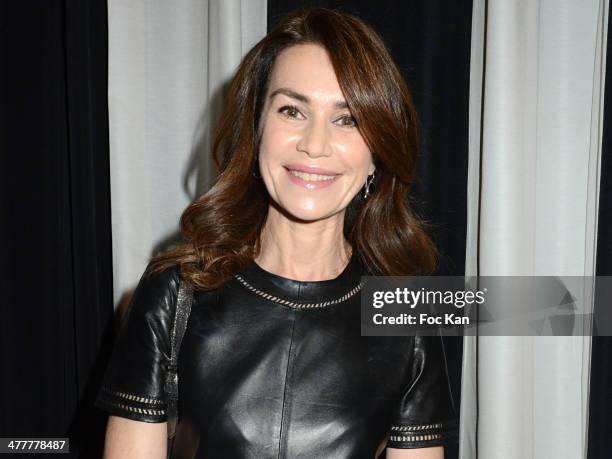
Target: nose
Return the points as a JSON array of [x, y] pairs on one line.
[[314, 140]]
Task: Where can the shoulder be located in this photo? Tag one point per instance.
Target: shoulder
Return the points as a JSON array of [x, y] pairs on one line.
[[160, 280], [151, 309], [156, 290]]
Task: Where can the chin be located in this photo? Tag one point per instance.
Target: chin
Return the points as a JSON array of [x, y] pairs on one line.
[[307, 213]]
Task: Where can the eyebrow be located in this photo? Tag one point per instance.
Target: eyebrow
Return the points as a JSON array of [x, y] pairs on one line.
[[340, 104]]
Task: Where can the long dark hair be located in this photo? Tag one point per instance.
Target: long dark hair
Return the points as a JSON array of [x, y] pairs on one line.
[[221, 228]]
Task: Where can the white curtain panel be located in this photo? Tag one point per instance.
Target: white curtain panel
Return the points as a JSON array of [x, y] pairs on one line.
[[533, 196], [168, 63]]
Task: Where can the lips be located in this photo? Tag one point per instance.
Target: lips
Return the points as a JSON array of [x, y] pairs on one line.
[[311, 177], [310, 169], [319, 182]]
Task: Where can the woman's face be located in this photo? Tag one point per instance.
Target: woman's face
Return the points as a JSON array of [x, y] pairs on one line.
[[312, 157]]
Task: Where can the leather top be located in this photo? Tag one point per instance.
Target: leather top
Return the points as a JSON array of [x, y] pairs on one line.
[[272, 367]]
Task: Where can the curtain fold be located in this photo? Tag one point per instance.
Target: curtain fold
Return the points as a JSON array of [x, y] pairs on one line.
[[538, 173], [468, 425]]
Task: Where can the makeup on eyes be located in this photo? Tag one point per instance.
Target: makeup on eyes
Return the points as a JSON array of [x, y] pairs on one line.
[[282, 110]]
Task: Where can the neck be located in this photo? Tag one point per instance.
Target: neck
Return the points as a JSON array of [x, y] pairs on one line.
[[306, 251]]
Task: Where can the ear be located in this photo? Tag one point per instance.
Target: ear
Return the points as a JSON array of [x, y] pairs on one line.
[[372, 165]]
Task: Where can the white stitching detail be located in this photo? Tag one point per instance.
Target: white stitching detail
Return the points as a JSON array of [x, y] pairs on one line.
[[132, 397], [140, 410], [413, 438], [421, 427], [296, 305], [137, 398]]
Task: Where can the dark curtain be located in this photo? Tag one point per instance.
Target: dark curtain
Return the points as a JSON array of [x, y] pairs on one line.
[[430, 42], [56, 277], [600, 390]]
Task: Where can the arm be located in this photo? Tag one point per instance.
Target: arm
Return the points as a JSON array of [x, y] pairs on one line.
[[437, 452], [426, 417], [133, 387], [134, 439]]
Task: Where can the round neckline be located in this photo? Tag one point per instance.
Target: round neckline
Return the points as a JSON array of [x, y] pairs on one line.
[[299, 290]]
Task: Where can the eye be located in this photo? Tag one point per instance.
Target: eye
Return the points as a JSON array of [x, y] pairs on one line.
[[348, 121], [290, 111]]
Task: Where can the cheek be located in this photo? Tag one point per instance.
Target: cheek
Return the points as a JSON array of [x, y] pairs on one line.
[[357, 157], [274, 140]]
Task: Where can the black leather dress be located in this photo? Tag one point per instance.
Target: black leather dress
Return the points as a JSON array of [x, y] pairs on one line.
[[277, 368]]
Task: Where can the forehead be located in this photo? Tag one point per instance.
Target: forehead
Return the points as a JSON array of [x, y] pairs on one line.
[[307, 69]]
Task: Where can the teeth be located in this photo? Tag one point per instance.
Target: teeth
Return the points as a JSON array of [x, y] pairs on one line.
[[312, 177]]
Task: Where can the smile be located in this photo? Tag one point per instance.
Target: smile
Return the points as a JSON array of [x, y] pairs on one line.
[[311, 181], [312, 177]]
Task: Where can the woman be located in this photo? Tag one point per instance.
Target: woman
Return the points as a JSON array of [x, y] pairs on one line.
[[317, 150]]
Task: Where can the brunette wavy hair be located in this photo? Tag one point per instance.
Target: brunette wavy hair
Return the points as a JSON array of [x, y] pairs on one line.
[[221, 228]]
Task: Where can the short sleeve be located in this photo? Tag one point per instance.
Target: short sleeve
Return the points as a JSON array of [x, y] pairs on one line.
[[133, 385], [426, 414]]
